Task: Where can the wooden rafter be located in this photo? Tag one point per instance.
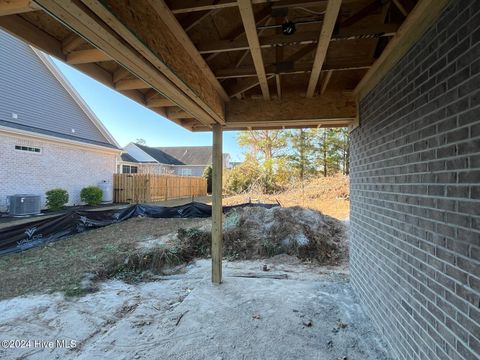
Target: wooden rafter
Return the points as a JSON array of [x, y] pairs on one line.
[[300, 38], [11, 7], [362, 13], [330, 18], [120, 73], [417, 22], [288, 68], [248, 19], [188, 6], [400, 7], [81, 21], [71, 43], [246, 84], [238, 31], [87, 56], [159, 102], [183, 67], [196, 18], [131, 84], [326, 80], [295, 110]]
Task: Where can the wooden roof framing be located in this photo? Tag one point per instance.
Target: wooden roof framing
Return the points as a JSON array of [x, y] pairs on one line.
[[205, 62]]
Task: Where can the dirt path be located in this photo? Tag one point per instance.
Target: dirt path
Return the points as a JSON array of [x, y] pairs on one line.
[[310, 314]]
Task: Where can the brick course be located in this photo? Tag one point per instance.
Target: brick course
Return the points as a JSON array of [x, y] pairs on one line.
[[58, 165], [415, 190]]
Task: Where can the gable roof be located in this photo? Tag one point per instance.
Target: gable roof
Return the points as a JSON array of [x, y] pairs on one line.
[[36, 97], [189, 155], [128, 158], [159, 155]]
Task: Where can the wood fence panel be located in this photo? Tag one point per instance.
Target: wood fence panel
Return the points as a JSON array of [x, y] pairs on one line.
[[144, 188]]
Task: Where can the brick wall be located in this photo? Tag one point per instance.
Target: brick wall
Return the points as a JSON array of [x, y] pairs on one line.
[[57, 165], [415, 194]]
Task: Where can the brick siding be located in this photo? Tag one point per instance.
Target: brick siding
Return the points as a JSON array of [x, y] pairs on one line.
[[415, 194], [58, 165]]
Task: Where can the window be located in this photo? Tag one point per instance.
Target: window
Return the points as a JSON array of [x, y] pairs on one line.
[[129, 169], [186, 172], [27, 148]]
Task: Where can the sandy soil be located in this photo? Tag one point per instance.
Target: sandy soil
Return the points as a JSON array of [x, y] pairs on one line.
[[308, 313]]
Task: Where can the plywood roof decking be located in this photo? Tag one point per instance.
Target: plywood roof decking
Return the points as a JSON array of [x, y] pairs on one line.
[[191, 60]]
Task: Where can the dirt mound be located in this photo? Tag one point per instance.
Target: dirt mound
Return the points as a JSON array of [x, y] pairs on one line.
[[249, 233], [256, 232]]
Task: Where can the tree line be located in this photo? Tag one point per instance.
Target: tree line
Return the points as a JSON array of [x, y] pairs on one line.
[[276, 158]]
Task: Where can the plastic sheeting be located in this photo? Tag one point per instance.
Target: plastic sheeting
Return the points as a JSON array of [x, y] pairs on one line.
[[21, 237]]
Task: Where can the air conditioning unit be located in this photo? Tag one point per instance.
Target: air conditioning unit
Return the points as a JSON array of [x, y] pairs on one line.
[[24, 204]]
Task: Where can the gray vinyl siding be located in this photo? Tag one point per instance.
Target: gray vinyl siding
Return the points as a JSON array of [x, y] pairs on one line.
[[196, 170], [30, 90]]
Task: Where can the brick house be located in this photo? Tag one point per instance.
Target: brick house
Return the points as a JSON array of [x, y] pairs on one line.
[[178, 160], [49, 137]]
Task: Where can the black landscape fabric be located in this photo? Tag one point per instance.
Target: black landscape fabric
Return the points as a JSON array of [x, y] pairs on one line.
[[25, 236]]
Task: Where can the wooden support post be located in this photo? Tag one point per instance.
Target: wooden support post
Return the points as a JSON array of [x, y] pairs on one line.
[[217, 213]]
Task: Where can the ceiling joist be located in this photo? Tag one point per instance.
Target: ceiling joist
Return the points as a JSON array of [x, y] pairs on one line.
[[248, 19], [300, 38], [12, 7], [87, 56], [330, 18], [188, 6]]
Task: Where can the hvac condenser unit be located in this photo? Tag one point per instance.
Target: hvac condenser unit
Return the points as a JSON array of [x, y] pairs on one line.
[[24, 204]]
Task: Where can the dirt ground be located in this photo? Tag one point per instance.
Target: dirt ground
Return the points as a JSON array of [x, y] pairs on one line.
[[306, 312], [71, 258]]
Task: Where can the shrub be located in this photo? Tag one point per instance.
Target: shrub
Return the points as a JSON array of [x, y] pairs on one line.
[[207, 174], [56, 199], [91, 195]]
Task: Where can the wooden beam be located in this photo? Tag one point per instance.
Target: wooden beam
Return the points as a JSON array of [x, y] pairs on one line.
[[291, 111], [131, 84], [87, 56], [330, 18], [196, 18], [279, 86], [400, 7], [159, 102], [287, 68], [160, 39], [362, 13], [11, 7], [217, 209], [299, 38], [169, 19], [248, 19], [143, 64], [120, 74], [34, 36], [245, 54], [244, 85], [188, 6], [418, 21], [177, 113], [72, 42], [326, 80]]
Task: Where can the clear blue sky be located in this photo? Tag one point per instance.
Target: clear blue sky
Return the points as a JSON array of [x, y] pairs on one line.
[[127, 121]]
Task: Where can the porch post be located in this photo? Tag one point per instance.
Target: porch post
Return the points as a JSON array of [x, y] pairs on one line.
[[217, 229]]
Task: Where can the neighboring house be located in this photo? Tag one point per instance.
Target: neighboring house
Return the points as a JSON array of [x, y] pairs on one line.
[[49, 137], [182, 160]]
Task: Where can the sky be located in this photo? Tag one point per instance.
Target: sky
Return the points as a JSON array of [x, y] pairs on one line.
[[127, 121]]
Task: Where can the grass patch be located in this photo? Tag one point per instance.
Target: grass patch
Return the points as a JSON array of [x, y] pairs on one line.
[[108, 252]]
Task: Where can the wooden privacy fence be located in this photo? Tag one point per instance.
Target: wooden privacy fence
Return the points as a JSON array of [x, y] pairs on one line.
[[144, 188]]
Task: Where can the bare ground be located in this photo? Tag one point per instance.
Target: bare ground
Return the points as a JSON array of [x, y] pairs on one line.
[[309, 312]]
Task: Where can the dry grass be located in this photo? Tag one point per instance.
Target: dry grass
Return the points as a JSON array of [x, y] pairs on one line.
[[62, 265], [328, 195]]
